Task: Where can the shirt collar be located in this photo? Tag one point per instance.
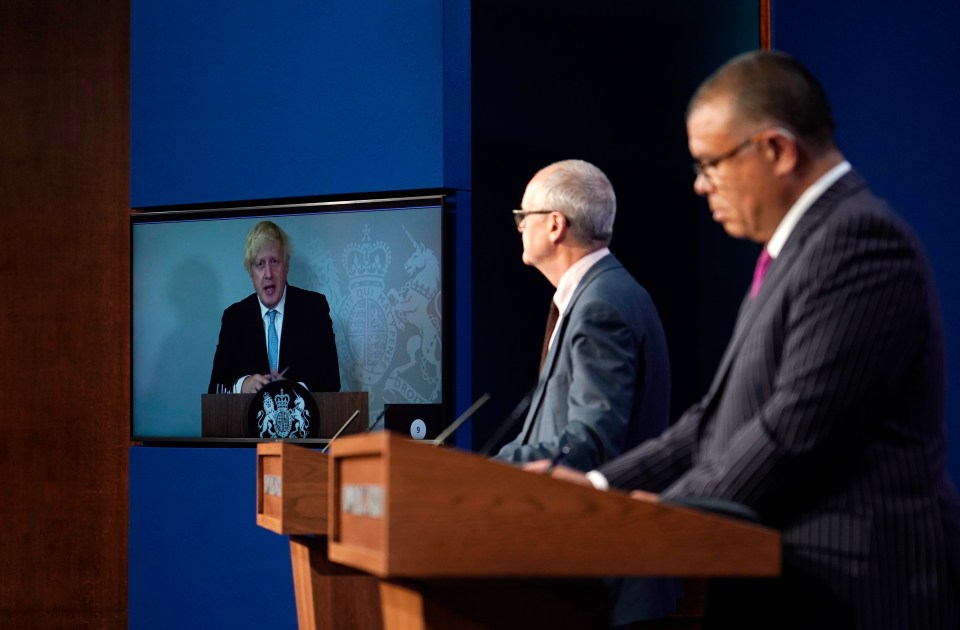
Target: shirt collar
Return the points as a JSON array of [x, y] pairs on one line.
[[801, 205], [571, 277]]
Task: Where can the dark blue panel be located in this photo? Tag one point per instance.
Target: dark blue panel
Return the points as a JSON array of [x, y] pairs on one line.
[[197, 557], [457, 94], [606, 81], [248, 99], [890, 69], [463, 308]]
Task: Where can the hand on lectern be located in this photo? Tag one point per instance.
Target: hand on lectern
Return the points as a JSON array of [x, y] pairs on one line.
[[642, 495], [548, 467], [254, 383]]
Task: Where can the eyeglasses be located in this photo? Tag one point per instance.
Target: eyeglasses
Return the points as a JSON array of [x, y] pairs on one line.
[[701, 167], [520, 215]]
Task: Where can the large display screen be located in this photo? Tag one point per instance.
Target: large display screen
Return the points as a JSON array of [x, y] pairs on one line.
[[379, 264]]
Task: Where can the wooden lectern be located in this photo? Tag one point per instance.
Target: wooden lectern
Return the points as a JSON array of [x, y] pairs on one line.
[[292, 499], [225, 415], [460, 541]]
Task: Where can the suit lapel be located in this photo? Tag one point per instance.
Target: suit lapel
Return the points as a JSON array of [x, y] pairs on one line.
[[779, 268], [604, 264], [257, 332], [289, 323]]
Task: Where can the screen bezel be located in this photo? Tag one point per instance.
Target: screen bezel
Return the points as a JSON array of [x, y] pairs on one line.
[[282, 208]]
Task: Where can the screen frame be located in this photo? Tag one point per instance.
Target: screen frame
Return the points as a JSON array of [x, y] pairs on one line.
[[266, 209]]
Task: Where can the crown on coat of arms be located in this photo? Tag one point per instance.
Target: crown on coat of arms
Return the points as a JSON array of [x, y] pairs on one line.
[[367, 259]]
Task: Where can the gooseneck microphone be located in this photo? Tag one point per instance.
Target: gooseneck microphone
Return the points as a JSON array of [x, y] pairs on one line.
[[337, 434], [377, 420], [463, 418]]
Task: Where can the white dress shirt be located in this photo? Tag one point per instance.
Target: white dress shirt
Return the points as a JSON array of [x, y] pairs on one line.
[[569, 282]]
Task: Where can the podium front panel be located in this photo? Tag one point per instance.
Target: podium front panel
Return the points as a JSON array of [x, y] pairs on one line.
[[226, 415], [361, 489], [292, 489], [404, 509]]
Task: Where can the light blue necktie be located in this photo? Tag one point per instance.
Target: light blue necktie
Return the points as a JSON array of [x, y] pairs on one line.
[[273, 342]]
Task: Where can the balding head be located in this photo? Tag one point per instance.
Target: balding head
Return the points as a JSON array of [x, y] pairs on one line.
[[582, 193]]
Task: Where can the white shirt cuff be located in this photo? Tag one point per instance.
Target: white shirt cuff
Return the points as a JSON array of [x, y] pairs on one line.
[[598, 480]]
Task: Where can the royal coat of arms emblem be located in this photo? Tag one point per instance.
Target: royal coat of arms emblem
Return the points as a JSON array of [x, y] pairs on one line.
[[283, 410]]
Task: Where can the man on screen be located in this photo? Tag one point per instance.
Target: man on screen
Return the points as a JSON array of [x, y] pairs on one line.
[[279, 331]]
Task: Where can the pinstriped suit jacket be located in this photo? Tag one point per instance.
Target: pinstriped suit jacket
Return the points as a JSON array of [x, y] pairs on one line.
[[826, 417]]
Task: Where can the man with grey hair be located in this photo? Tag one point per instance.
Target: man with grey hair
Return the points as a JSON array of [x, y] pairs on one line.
[[604, 383]]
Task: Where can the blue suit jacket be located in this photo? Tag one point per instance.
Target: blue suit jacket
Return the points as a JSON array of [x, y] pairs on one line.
[[826, 417], [604, 388]]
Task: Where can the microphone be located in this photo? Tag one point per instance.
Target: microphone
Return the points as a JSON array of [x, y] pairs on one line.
[[337, 434], [463, 418], [509, 423], [377, 420]]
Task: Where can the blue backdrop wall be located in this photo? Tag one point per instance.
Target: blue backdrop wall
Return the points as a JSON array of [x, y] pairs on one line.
[[249, 99]]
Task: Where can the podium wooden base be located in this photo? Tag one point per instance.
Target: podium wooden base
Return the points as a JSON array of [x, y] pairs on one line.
[[511, 604], [292, 501], [331, 596]]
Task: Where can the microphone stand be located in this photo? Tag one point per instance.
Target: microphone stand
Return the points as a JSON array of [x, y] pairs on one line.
[[509, 423]]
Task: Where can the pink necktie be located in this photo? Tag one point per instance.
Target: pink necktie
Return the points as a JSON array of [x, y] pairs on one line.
[[763, 263]]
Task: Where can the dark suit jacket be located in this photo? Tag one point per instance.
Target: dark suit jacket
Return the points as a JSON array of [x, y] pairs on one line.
[[603, 389], [826, 417], [306, 345], [605, 384]]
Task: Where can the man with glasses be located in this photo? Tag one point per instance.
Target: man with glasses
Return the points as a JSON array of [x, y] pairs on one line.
[[604, 383], [825, 417]]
